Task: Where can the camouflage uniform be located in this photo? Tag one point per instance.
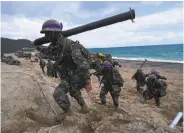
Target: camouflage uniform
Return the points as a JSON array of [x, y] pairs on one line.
[[140, 78], [155, 89], [42, 65], [71, 61], [112, 81]]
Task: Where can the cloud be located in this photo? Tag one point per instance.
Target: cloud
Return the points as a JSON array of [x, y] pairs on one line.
[[151, 2], [120, 34]]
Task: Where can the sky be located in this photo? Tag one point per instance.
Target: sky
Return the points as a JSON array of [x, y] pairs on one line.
[[155, 22]]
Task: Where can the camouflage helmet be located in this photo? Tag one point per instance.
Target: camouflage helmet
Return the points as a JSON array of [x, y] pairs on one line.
[[152, 77], [107, 64], [51, 25]]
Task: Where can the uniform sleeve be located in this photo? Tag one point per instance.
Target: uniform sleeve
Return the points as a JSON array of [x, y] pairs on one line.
[[47, 52], [117, 77], [78, 58], [40, 41], [161, 77]]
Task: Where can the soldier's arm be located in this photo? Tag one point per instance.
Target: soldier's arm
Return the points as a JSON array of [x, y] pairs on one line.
[[78, 58], [161, 77], [119, 79], [40, 41], [46, 51]]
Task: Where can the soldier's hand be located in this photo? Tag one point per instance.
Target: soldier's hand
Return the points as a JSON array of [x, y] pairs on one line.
[[88, 87]]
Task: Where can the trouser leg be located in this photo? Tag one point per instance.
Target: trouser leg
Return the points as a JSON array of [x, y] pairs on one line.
[[115, 93], [61, 97], [103, 94]]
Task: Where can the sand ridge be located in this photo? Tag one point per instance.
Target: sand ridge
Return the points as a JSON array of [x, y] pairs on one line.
[[24, 109]]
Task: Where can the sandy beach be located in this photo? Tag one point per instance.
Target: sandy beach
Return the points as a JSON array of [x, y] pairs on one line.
[[133, 116]]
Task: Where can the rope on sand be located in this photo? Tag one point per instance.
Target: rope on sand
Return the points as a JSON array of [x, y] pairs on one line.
[[49, 131], [39, 87]]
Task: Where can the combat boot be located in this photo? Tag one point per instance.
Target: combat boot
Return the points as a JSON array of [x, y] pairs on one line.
[[84, 109], [104, 103], [60, 117]]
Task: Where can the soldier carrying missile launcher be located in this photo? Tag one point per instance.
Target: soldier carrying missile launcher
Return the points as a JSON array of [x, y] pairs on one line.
[[73, 58]]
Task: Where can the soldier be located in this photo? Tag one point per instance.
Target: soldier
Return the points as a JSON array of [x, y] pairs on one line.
[[112, 81], [50, 68], [140, 78], [155, 89], [73, 59], [42, 65]]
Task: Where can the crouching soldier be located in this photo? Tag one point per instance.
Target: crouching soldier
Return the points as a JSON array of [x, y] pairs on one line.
[[112, 81], [140, 78], [155, 89]]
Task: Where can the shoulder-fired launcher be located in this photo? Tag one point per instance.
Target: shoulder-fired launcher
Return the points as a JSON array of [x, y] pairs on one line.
[[130, 15]]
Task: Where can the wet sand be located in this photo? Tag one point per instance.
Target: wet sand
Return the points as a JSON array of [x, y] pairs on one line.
[[177, 67]]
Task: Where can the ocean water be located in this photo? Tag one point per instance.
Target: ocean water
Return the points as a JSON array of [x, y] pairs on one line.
[[160, 53]]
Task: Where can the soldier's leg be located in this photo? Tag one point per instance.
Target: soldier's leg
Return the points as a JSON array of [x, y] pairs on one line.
[[55, 73], [47, 71], [43, 69], [157, 100], [80, 100], [115, 95], [138, 86], [60, 96], [103, 94]]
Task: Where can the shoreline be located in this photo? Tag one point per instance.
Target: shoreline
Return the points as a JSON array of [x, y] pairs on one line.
[[171, 66], [178, 67], [148, 59]]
